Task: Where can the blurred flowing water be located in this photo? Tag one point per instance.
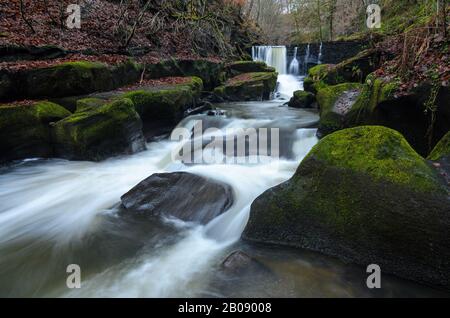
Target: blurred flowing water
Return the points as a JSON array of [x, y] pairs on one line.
[[55, 212]]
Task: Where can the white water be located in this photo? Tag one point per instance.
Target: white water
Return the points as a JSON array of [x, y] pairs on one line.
[[319, 58], [56, 203], [306, 61], [275, 56], [294, 67]]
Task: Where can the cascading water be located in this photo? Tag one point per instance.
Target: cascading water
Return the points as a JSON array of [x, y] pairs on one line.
[[294, 66], [275, 56], [319, 58], [306, 61], [56, 212]]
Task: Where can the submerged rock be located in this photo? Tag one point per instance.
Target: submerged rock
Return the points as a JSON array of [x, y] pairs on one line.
[[25, 130], [181, 195], [365, 196], [98, 132], [248, 87], [239, 263], [302, 99]]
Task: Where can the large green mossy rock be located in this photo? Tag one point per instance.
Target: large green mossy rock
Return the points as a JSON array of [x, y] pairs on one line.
[[67, 79], [335, 102], [209, 71], [248, 87], [302, 99], [166, 104], [96, 133], [365, 196], [239, 67], [442, 149], [25, 130], [355, 70]]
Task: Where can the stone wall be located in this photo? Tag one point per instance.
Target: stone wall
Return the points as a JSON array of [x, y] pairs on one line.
[[332, 52]]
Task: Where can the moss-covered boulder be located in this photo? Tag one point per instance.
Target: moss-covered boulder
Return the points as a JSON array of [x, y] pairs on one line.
[[209, 71], [25, 130], [442, 149], [365, 196], [96, 133], [239, 67], [335, 102], [248, 87], [166, 103], [67, 79], [355, 70], [302, 99], [316, 78]]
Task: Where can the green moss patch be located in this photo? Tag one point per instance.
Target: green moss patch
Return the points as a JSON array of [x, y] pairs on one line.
[[442, 149], [381, 153], [25, 130], [95, 133]]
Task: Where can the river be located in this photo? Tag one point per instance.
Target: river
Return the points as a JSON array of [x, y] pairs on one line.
[[56, 212]]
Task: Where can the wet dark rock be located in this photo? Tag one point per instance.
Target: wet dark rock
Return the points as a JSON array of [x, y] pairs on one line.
[[239, 263], [181, 195], [302, 99], [216, 112]]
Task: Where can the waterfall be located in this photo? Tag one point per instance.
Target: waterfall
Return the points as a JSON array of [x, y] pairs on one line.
[[274, 56], [307, 53], [294, 66], [319, 59]]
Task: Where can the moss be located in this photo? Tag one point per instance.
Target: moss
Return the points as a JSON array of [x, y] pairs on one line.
[[194, 83], [379, 152], [81, 65], [327, 96], [302, 99], [40, 112], [240, 67], [208, 71], [247, 86], [89, 104], [373, 93], [166, 104], [25, 131], [318, 72], [442, 149], [96, 133]]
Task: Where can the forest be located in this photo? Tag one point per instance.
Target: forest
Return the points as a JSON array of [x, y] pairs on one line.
[[224, 149]]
